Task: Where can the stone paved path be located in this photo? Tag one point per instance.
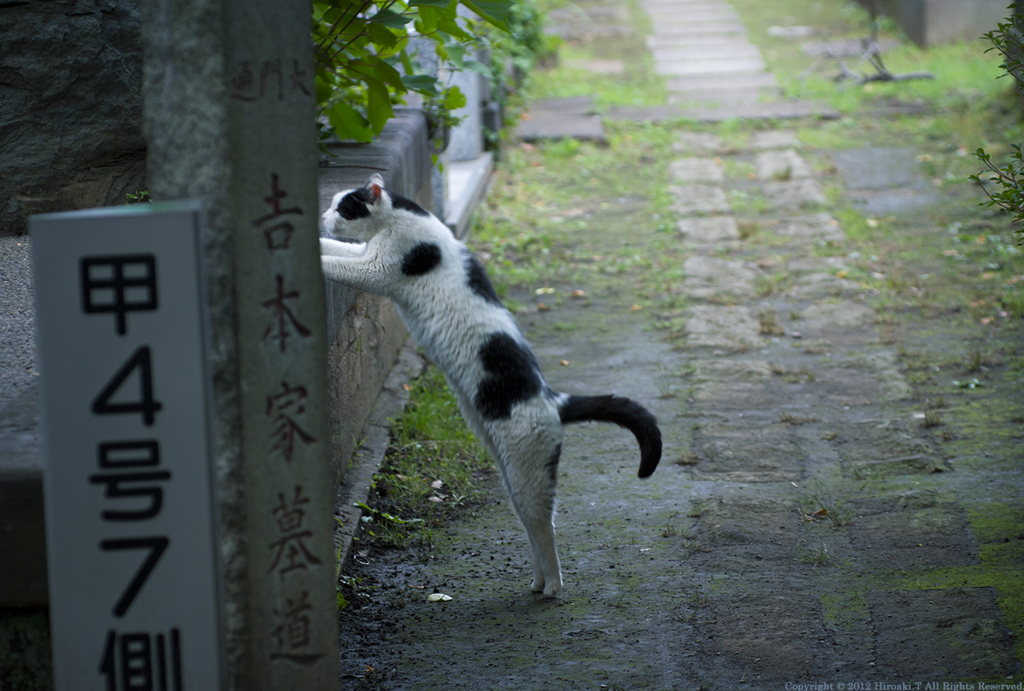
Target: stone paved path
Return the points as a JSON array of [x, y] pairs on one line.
[[701, 46], [805, 529]]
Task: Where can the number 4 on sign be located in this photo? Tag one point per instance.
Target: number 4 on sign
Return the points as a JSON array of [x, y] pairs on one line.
[[147, 406]]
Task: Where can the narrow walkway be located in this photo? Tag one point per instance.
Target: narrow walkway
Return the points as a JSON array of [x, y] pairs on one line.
[[829, 510], [701, 46]]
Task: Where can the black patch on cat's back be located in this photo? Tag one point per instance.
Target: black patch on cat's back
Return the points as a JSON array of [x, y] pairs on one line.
[[476, 278], [400, 202], [512, 376], [353, 204], [421, 259]]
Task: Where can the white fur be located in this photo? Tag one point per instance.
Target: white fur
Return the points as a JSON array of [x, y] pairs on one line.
[[451, 322]]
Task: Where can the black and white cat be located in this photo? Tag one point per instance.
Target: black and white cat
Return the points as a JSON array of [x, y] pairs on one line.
[[451, 309]]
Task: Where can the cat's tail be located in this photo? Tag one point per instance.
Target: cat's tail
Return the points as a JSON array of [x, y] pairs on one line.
[[624, 413]]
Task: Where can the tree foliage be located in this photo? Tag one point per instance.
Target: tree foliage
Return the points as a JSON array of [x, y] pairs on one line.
[[1007, 180], [364, 65]]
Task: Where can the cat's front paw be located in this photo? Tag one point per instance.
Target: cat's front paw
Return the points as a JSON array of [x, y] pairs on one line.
[[537, 586]]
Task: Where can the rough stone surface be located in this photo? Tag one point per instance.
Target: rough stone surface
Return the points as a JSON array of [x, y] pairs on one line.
[[820, 285], [696, 142], [709, 229], [70, 107], [730, 328], [885, 181], [795, 194], [696, 170], [820, 226], [841, 314], [781, 165], [811, 264], [773, 139], [17, 327], [710, 276], [558, 118], [697, 199]]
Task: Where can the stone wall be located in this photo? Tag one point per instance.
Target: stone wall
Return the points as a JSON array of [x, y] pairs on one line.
[[933, 22], [70, 106]]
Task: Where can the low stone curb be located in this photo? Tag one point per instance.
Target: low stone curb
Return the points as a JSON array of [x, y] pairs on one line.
[[371, 447]]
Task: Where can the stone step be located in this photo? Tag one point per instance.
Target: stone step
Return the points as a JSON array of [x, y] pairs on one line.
[[779, 110], [731, 50], [688, 16], [655, 42], [753, 79], [672, 68], [699, 38], [659, 5], [681, 32], [720, 97]]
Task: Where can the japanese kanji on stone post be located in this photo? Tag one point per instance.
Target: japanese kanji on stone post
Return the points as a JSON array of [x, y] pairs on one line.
[[230, 120]]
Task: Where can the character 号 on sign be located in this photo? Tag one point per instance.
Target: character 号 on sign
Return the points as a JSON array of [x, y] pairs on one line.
[[124, 458]]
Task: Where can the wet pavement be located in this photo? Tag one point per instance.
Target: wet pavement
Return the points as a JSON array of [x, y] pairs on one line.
[[837, 507]]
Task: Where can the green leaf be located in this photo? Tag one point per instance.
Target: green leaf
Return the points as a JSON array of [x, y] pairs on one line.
[[378, 106], [323, 89], [496, 12], [477, 66], [390, 19], [382, 36], [455, 53], [389, 75], [454, 99], [421, 84], [348, 123]]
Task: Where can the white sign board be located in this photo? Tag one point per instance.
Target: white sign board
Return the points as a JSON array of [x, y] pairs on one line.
[[130, 514]]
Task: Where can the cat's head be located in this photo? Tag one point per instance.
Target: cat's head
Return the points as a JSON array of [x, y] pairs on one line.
[[363, 210]]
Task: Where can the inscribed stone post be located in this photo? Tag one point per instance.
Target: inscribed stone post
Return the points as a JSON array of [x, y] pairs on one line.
[[229, 112]]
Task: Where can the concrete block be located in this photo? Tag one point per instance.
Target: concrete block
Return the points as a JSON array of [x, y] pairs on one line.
[[933, 22]]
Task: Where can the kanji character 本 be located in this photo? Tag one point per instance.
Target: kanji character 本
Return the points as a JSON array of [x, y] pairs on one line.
[[118, 284], [292, 635], [292, 553], [285, 406], [282, 316], [279, 234]]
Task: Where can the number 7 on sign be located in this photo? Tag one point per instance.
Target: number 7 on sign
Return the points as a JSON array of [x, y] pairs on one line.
[[156, 547]]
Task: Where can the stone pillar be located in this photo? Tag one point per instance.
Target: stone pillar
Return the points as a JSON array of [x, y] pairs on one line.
[[229, 113]]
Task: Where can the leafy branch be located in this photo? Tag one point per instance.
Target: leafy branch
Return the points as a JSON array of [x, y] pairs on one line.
[[1008, 39], [365, 65]]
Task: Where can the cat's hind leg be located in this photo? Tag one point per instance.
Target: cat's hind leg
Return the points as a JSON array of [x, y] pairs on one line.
[[530, 471]]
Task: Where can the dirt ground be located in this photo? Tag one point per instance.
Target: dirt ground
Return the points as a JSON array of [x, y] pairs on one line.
[[839, 505]]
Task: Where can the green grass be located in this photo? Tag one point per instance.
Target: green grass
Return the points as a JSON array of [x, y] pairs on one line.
[[433, 465], [636, 85]]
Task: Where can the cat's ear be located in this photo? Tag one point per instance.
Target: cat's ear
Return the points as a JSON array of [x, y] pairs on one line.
[[376, 186]]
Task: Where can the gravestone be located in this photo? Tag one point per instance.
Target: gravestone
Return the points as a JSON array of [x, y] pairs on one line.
[[229, 112]]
